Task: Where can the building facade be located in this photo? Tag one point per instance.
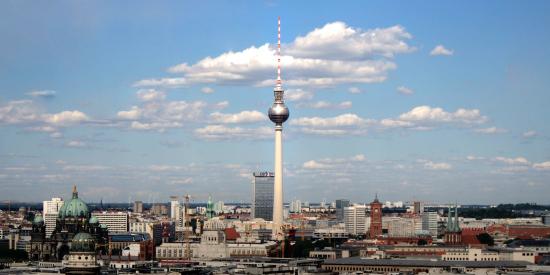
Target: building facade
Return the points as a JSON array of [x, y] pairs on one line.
[[354, 219], [375, 228], [262, 195]]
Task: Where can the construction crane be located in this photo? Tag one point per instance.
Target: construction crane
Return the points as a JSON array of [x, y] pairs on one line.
[[186, 238]]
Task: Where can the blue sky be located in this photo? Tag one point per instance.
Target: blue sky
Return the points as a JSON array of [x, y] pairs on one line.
[[436, 101]]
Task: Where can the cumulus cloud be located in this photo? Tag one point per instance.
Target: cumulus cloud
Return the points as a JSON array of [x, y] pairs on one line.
[[354, 90], [441, 50], [344, 120], [150, 95], [242, 117], [404, 90], [437, 165], [75, 144], [327, 163], [66, 118], [529, 134], [207, 90], [42, 93], [330, 55], [427, 114], [156, 113], [325, 105], [513, 161], [490, 130], [542, 166], [298, 95], [222, 132]]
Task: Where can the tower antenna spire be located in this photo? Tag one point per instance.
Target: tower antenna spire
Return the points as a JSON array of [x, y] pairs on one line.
[[279, 81]]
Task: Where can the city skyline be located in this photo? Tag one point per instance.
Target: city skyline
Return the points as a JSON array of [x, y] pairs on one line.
[[418, 101]]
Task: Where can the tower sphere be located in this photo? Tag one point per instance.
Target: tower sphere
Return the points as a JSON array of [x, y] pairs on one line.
[[278, 113]]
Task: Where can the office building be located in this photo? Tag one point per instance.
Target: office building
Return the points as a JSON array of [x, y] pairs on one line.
[[175, 208], [354, 219], [138, 207], [340, 205], [429, 223], [115, 221], [262, 195], [52, 206]]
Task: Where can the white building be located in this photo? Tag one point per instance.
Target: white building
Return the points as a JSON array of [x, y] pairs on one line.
[[354, 219], [52, 206], [429, 223], [50, 209], [175, 209], [115, 221]]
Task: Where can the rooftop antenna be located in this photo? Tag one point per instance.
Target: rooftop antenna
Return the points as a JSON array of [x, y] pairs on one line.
[[279, 81]]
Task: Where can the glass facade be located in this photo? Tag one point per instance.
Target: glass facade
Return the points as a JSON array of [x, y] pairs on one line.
[[262, 198]]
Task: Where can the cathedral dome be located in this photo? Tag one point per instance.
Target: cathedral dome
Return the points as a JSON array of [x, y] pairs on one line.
[[93, 220], [75, 208], [83, 242], [38, 219]]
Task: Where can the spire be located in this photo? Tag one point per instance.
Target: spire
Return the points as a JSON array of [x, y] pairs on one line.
[[279, 83], [75, 193], [376, 197], [449, 220]]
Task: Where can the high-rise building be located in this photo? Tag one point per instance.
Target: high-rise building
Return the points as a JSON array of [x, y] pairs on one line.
[[219, 207], [354, 219], [115, 221], [340, 205], [375, 229], [262, 195], [418, 207], [429, 223], [138, 207], [278, 114], [52, 206], [50, 209], [175, 208], [296, 206]]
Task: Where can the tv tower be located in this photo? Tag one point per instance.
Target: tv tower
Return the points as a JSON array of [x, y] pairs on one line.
[[278, 114]]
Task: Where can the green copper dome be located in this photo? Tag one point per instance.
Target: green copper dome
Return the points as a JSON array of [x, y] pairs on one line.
[[93, 220], [75, 208], [38, 219], [83, 242]]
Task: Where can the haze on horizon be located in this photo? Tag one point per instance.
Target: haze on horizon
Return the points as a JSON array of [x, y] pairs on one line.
[[426, 100]]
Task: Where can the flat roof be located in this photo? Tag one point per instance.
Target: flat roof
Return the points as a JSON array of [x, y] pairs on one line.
[[425, 263]]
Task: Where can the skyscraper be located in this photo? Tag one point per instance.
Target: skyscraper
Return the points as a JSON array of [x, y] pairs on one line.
[[262, 195], [50, 209], [175, 208], [375, 229], [354, 219], [340, 205], [278, 114]]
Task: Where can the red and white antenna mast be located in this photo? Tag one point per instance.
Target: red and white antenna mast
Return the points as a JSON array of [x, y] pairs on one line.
[[279, 81]]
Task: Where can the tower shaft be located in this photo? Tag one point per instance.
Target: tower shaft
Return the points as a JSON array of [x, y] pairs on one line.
[[278, 188]]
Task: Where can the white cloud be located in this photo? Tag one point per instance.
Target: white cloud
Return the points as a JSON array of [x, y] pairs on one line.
[[542, 166], [326, 105], [529, 134], [314, 165], [404, 90], [355, 90], [513, 161], [66, 118], [343, 120], [441, 50], [76, 144], [150, 95], [490, 130], [298, 95], [395, 123], [222, 132], [330, 55], [221, 105], [437, 165], [43, 128], [19, 111], [160, 115], [42, 93], [427, 114], [207, 90], [471, 157], [242, 117]]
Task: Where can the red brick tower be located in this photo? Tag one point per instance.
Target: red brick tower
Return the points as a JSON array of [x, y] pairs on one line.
[[375, 229]]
